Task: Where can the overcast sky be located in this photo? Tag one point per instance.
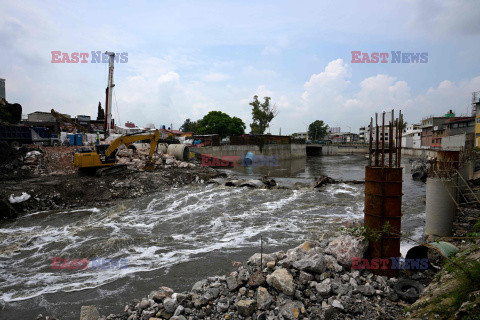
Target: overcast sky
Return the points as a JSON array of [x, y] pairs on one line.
[[186, 58]]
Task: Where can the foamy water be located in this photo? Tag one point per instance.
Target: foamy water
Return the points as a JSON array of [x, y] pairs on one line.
[[200, 226]]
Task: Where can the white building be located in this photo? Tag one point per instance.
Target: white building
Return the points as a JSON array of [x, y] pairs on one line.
[[361, 134], [127, 130], [412, 136], [380, 134], [300, 135]]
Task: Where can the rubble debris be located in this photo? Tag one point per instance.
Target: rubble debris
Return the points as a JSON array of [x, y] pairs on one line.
[[10, 158], [53, 192], [234, 182], [135, 159], [269, 183], [216, 181], [346, 247], [287, 293], [419, 170], [252, 184], [323, 180]]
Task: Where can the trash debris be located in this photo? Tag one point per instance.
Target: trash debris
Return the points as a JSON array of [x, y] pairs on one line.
[[23, 197], [323, 180], [252, 184], [419, 170]]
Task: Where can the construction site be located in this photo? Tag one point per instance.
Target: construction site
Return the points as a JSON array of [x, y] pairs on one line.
[[239, 161]]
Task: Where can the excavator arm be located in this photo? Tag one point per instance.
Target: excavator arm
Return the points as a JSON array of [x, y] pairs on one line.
[[102, 160], [64, 120], [127, 140]]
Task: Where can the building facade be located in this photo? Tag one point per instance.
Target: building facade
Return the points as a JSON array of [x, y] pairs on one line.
[[431, 124], [477, 123], [388, 139], [411, 136]]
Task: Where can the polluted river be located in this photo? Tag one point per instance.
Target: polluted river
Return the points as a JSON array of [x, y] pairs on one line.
[[178, 237]]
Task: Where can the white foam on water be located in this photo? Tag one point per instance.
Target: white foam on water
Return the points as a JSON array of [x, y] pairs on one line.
[[170, 228]]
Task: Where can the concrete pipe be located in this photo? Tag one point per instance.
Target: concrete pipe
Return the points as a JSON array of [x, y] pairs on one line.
[[463, 170], [162, 148], [179, 151], [470, 169], [440, 208]]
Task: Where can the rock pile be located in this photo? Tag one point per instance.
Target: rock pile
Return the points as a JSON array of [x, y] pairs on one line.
[[135, 159], [10, 158], [311, 281]]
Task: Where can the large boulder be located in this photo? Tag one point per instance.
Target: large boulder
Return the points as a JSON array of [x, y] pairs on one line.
[[256, 279], [264, 298], [266, 257], [232, 283], [347, 247], [161, 294], [282, 280], [170, 305], [314, 263], [324, 288], [291, 309], [295, 254], [89, 313], [246, 307]]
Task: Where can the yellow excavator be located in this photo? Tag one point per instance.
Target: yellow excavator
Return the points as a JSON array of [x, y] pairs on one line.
[[103, 158]]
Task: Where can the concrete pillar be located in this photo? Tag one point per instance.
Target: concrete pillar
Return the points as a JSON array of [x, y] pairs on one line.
[[440, 207]]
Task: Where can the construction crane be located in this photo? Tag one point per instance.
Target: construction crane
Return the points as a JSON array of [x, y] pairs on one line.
[[64, 120], [103, 158], [108, 95]]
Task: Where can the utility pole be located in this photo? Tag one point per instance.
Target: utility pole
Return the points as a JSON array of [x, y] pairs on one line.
[[108, 105]]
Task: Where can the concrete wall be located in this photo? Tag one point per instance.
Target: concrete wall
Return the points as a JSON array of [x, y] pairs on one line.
[[298, 151], [331, 150], [282, 151], [41, 117], [418, 153], [458, 142]]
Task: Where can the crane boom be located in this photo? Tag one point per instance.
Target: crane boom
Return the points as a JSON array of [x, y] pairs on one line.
[[108, 105]]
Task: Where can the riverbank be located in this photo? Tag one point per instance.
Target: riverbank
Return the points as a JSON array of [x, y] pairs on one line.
[[177, 237], [315, 281], [311, 281], [40, 179]]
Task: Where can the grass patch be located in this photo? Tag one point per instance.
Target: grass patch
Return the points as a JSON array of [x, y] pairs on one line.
[[476, 227], [467, 274]]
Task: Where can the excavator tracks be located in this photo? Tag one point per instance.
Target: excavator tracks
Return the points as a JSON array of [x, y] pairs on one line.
[[110, 170]]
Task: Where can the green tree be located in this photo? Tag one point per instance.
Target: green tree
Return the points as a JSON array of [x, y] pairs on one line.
[[189, 126], [100, 112], [262, 115], [317, 130], [11, 112], [217, 122]]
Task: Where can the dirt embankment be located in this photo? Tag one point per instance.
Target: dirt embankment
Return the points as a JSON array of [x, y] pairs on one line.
[[454, 292], [35, 179]]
